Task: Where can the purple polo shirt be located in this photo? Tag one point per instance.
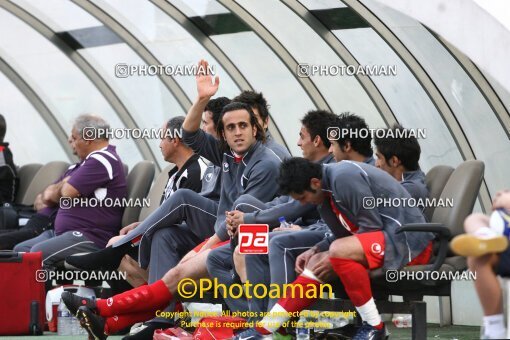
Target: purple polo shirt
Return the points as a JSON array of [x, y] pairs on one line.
[[99, 177], [49, 211]]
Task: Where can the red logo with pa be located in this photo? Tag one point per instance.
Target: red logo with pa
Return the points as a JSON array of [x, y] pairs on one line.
[[253, 238]]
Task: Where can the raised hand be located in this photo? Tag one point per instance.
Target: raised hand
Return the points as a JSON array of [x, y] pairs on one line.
[[206, 88]]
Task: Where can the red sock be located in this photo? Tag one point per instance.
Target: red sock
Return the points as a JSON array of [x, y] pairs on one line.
[[299, 302], [354, 277], [116, 323], [141, 299]]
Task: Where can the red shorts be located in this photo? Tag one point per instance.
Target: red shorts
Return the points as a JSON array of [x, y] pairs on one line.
[[197, 248], [373, 245]]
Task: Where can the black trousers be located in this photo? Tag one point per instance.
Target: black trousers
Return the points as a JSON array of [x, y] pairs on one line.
[[35, 226]]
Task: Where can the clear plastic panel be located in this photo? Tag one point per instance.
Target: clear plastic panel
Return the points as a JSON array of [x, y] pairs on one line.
[[68, 91], [342, 92], [406, 97], [267, 74], [477, 119], [147, 99], [312, 5], [59, 15], [30, 139], [167, 40], [200, 7]]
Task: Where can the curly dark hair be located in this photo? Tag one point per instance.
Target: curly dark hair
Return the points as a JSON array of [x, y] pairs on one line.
[[401, 144], [354, 123], [216, 106], [296, 173], [256, 100]]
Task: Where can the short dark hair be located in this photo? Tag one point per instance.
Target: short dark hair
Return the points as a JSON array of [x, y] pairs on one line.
[[216, 105], [174, 126], [296, 173], [233, 106], [401, 144], [317, 123], [256, 100], [353, 122], [3, 128]]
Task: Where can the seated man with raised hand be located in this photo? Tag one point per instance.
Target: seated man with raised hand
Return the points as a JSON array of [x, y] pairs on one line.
[[314, 144], [366, 237], [248, 167], [187, 174], [80, 226], [399, 156], [485, 244]]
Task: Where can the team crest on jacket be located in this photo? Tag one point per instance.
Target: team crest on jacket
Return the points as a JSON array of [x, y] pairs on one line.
[[376, 248], [208, 177], [225, 167]]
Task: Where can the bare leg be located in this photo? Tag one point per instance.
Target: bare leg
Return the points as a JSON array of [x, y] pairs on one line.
[[482, 245], [487, 284], [193, 268], [135, 275]]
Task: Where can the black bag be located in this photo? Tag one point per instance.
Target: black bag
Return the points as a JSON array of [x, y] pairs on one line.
[[8, 217], [25, 211]]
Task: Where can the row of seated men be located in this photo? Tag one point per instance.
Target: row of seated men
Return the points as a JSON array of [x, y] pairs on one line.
[[250, 179]]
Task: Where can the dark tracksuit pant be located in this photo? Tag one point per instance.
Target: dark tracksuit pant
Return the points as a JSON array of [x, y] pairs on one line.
[[284, 247], [166, 239], [184, 205]]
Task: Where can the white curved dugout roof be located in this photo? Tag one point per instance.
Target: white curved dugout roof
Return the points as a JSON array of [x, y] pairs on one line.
[[57, 60]]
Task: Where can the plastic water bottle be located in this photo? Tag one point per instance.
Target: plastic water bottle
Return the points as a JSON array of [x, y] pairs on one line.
[[402, 320], [77, 329], [283, 223], [331, 320], [64, 320], [339, 322], [302, 333]]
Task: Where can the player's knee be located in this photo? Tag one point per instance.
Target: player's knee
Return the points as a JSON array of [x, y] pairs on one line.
[[339, 248], [183, 195], [275, 244], [315, 259], [476, 263], [37, 247]]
